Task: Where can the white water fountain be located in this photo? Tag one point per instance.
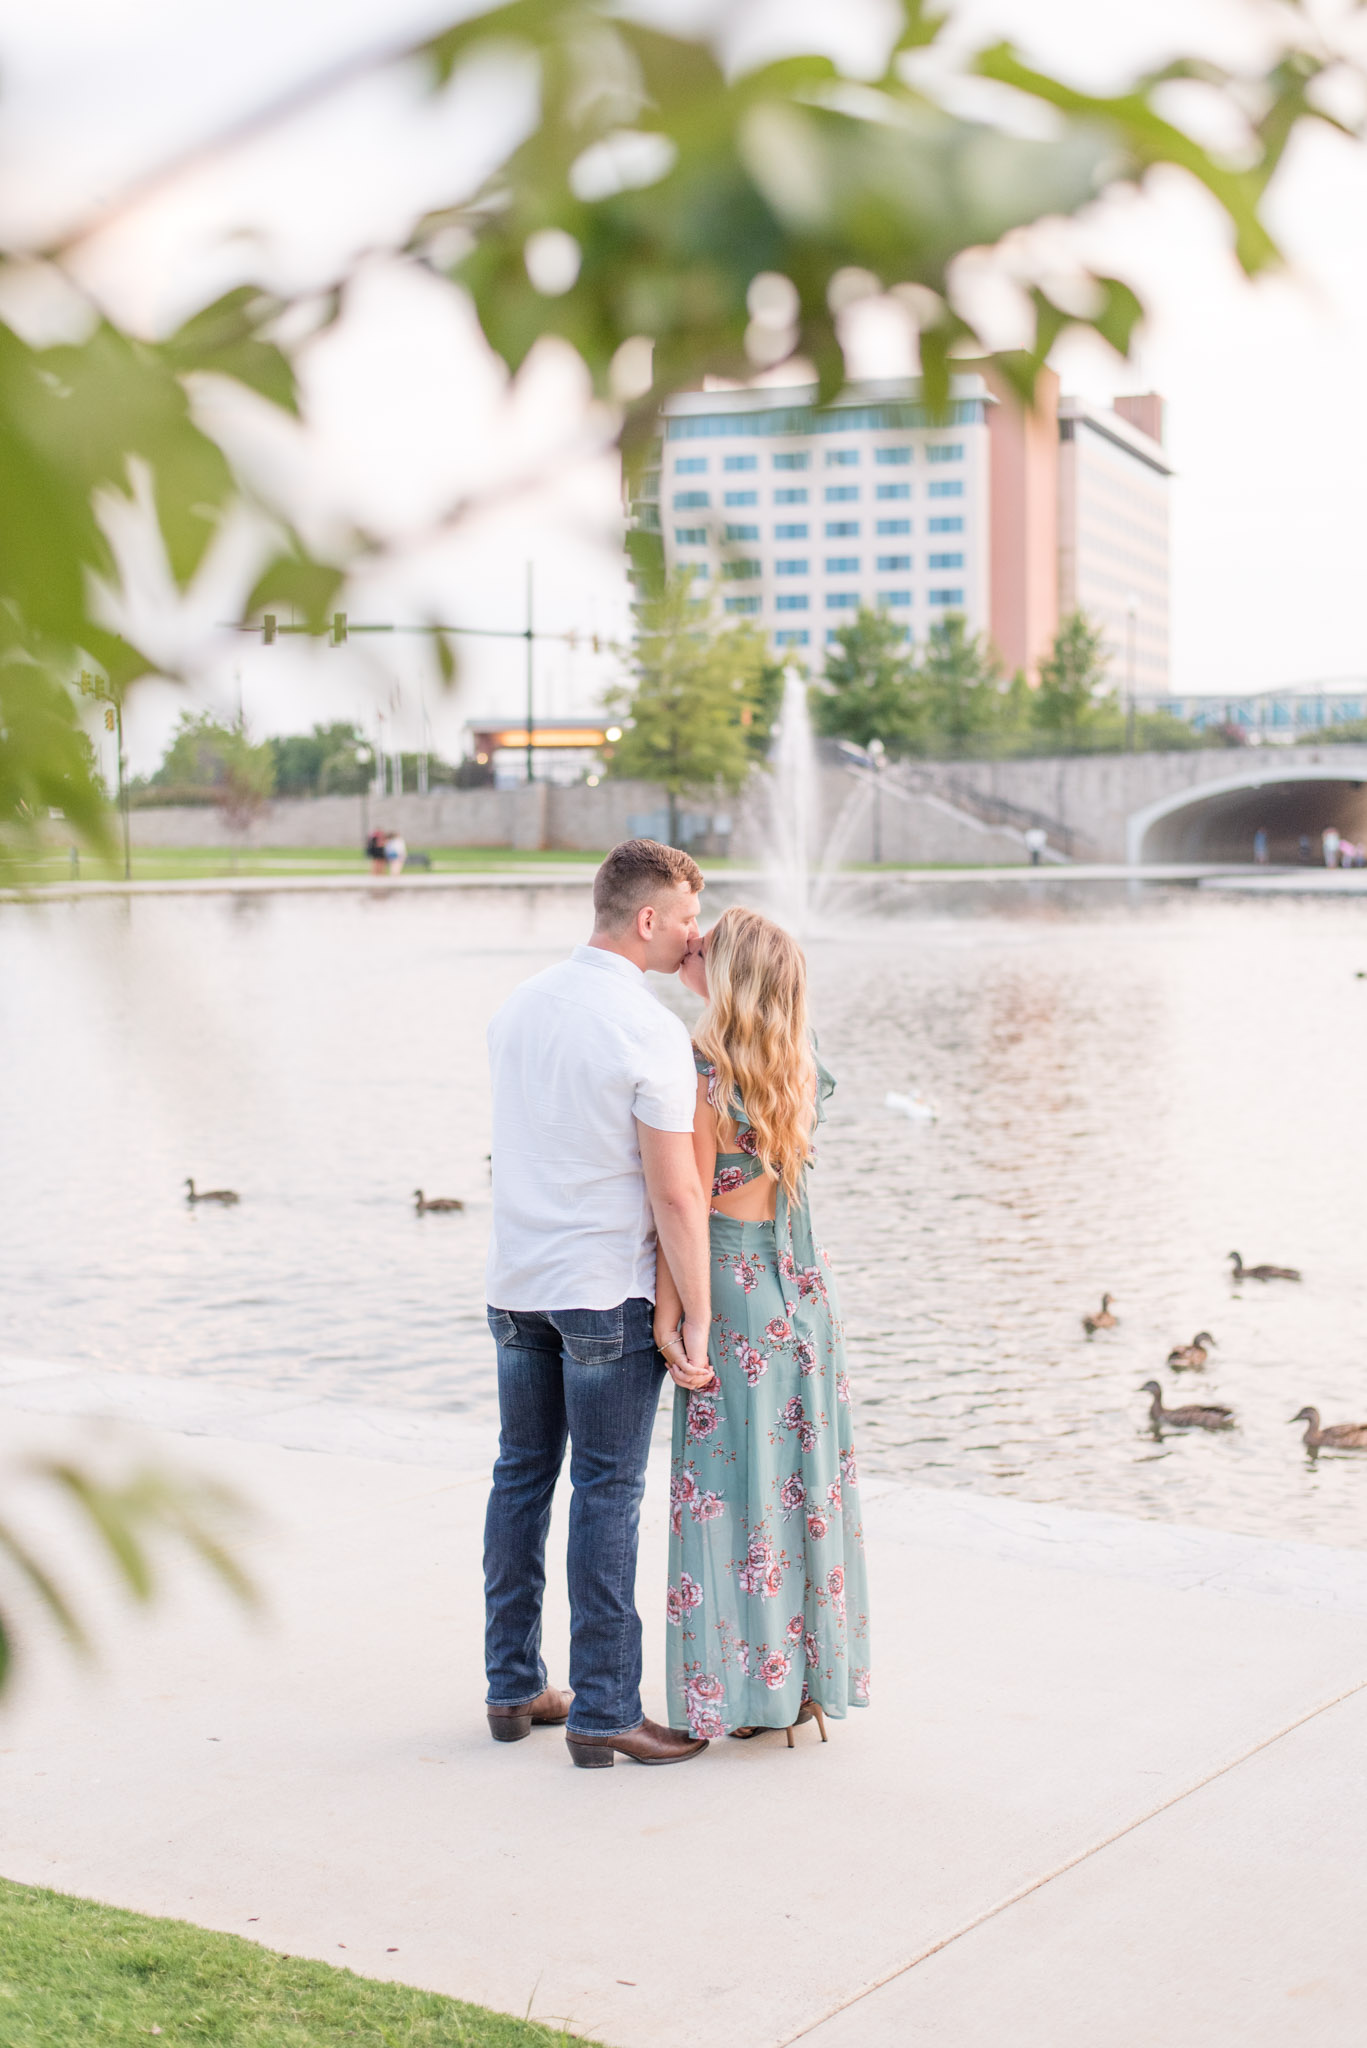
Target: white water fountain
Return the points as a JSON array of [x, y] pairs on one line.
[[800, 867]]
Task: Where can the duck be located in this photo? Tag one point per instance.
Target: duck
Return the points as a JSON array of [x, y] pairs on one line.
[[1243, 1272], [1103, 1319], [435, 1204], [1191, 1357], [1212, 1417], [224, 1195], [1339, 1436]]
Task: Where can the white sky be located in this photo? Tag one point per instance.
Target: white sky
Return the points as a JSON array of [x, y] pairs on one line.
[[1267, 403]]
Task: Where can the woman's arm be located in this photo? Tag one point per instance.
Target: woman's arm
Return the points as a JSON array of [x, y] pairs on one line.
[[668, 1305]]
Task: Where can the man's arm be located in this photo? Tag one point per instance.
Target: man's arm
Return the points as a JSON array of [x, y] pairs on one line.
[[680, 1207]]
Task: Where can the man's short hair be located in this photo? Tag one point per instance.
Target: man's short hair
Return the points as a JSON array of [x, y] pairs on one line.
[[634, 872]]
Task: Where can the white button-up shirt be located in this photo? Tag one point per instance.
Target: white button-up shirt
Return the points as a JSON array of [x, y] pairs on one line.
[[577, 1055]]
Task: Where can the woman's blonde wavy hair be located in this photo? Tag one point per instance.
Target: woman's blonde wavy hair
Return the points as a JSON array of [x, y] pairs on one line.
[[754, 1032]]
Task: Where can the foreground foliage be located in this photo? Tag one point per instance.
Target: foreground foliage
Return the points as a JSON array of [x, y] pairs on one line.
[[73, 1973], [668, 215]]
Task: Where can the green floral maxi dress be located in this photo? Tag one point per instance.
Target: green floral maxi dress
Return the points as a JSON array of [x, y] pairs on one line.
[[767, 1602]]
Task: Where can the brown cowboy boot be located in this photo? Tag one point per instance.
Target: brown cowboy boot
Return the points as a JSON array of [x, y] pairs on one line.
[[648, 1744], [551, 1709]]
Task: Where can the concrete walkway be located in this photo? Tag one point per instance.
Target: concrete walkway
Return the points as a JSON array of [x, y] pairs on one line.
[[1110, 1789]]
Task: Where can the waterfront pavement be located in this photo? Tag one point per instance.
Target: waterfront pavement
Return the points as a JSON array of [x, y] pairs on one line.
[[1110, 1788]]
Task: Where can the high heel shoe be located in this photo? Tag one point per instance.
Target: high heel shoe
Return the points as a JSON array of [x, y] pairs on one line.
[[808, 1711]]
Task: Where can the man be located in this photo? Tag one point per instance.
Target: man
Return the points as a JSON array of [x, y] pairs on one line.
[[594, 1089]]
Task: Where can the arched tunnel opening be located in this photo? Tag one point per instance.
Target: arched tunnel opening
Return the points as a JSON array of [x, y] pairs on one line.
[[1293, 814]]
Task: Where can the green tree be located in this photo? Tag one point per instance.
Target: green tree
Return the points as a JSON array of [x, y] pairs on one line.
[[871, 689], [322, 762], [696, 698], [960, 682], [1071, 679]]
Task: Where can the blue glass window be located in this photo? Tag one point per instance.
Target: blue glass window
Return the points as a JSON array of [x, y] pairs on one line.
[[740, 604], [841, 458], [791, 601], [740, 572], [894, 526], [690, 501], [740, 497], [952, 524], [790, 568], [954, 597], [946, 451], [690, 536], [690, 465], [888, 563], [841, 529], [894, 597], [798, 497], [740, 462], [841, 494], [955, 561], [841, 600], [948, 487], [895, 490], [893, 455], [798, 532], [794, 636], [791, 461], [842, 565], [742, 533]]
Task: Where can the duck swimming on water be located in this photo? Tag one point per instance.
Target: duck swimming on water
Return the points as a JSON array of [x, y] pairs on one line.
[[1243, 1272], [223, 1195], [1339, 1436], [1103, 1319], [1212, 1417], [1191, 1357], [438, 1205]]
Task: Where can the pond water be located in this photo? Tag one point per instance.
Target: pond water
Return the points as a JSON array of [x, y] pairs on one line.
[[1130, 1083]]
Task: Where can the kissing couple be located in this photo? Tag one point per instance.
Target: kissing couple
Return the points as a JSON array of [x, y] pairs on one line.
[[650, 1214]]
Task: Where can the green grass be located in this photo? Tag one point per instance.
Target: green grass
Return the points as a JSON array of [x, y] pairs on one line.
[[77, 1975], [194, 863]]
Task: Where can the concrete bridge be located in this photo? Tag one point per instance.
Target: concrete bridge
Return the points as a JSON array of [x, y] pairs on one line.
[[1194, 806]]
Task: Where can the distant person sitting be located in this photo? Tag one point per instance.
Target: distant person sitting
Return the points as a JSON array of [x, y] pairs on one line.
[[395, 853], [374, 853], [1260, 846], [1329, 841]]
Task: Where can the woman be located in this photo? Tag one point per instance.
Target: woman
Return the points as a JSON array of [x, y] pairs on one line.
[[767, 1606]]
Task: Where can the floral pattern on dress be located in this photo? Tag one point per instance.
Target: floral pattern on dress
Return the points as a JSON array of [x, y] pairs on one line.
[[767, 1598]]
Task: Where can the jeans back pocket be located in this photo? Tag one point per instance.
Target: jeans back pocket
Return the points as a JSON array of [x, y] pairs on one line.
[[591, 1336]]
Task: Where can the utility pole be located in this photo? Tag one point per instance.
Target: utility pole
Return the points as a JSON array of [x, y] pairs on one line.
[[531, 645]]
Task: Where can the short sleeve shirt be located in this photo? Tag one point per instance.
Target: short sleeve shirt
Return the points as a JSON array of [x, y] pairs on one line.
[[577, 1055]]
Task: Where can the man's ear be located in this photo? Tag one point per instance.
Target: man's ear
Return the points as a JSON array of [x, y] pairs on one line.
[[645, 920]]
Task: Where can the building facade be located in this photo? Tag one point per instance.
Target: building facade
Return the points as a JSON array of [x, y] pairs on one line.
[[796, 515], [1113, 534]]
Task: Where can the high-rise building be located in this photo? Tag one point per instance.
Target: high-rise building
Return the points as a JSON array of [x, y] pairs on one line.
[[795, 515], [1113, 533]]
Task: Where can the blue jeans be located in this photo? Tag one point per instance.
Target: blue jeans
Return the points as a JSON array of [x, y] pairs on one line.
[[592, 1375]]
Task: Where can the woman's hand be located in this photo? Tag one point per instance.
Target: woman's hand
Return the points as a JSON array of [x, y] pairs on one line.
[[684, 1372]]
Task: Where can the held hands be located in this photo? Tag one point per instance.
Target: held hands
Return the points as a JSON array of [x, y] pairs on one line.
[[685, 1353]]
